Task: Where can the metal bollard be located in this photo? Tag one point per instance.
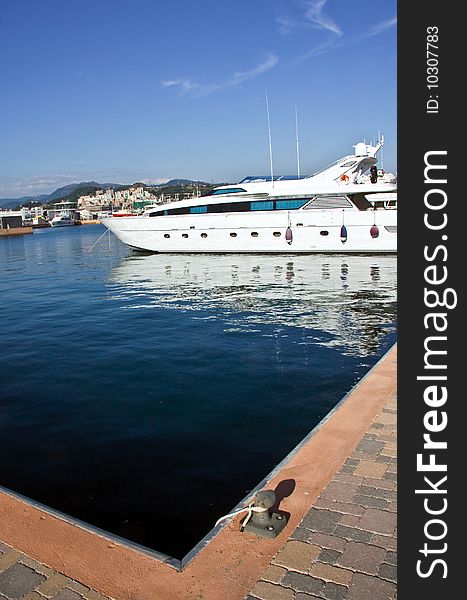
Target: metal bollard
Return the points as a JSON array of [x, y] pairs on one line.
[[260, 521]]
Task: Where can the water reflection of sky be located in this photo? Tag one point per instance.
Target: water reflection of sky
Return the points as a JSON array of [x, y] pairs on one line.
[[351, 299]]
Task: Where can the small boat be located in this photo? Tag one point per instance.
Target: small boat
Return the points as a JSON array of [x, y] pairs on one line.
[[62, 221], [64, 215]]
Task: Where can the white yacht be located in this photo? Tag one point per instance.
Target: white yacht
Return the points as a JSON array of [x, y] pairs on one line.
[[64, 214], [338, 209]]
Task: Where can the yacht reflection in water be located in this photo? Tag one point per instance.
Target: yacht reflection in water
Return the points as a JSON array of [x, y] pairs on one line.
[[343, 301]]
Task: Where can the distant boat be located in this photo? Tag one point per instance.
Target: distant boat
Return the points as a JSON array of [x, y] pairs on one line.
[[65, 215], [339, 209]]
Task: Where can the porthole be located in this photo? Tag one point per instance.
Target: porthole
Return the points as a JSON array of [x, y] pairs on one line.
[[184, 235], [166, 235], [277, 234], [204, 235], [233, 235], [324, 232], [254, 234]]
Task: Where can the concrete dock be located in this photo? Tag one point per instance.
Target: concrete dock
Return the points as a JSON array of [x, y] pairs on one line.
[[339, 487], [15, 231]]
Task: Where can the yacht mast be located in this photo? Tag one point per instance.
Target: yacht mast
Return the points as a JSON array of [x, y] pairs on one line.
[[270, 140], [296, 139]]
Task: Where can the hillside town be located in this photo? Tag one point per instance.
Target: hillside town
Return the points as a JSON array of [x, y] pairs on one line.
[[93, 205]]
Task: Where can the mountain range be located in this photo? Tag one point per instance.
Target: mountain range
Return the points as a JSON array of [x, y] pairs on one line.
[[89, 186]]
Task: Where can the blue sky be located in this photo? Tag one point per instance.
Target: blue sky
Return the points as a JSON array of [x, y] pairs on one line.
[[131, 90]]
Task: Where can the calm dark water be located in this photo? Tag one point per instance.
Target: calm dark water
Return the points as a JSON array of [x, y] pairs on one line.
[[147, 394]]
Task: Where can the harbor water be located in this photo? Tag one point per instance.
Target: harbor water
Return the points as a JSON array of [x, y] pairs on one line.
[[147, 394]]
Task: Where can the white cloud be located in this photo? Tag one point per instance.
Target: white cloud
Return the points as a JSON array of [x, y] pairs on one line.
[[315, 14], [380, 27], [190, 87], [39, 183], [312, 14]]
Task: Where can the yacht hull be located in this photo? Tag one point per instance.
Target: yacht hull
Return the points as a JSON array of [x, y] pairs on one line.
[[311, 232]]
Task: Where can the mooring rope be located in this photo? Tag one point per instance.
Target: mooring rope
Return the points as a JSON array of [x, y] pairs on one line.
[[99, 239], [250, 509]]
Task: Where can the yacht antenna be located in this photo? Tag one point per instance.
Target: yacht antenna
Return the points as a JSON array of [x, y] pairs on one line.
[[381, 139], [296, 139], [270, 141]]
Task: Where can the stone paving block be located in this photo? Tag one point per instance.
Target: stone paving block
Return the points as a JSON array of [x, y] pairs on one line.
[[364, 587], [353, 533], [301, 534], [53, 584], [321, 520], [362, 557], [388, 436], [18, 580], [349, 520], [387, 418], [332, 573], [33, 596], [78, 587], [371, 502], [342, 492], [380, 484], [370, 446], [391, 558], [344, 478], [390, 476], [37, 566], [274, 574], [332, 591], [297, 556], [384, 541], [341, 507], [378, 521], [328, 556], [303, 583], [328, 541], [93, 595], [388, 572], [67, 594], [392, 452], [382, 459], [8, 558], [371, 469], [368, 490], [269, 591]]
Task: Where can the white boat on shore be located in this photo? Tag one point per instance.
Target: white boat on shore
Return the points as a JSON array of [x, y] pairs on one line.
[[339, 209]]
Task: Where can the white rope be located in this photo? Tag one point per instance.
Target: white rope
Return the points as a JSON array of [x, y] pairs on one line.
[[250, 509], [98, 239]]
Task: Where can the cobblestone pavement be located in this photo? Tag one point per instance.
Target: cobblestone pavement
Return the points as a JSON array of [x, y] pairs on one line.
[[22, 578], [345, 547]]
